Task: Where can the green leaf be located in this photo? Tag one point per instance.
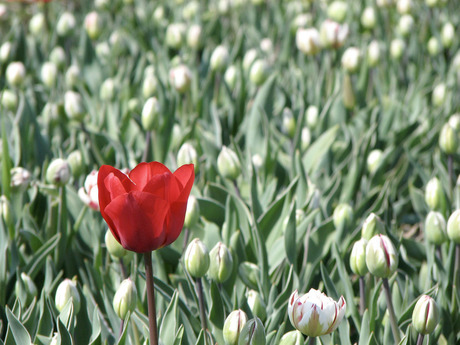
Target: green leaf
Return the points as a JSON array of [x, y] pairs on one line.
[[364, 332], [66, 337], [35, 263], [20, 334], [290, 237], [318, 149], [216, 311], [124, 334], [169, 322], [328, 283]]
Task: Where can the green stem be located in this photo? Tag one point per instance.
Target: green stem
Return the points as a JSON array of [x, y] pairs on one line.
[[420, 339], [147, 145], [362, 295], [151, 299], [311, 340], [199, 291], [456, 267], [391, 311]]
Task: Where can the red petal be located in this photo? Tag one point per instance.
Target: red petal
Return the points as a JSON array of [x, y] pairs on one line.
[[174, 221], [186, 175], [144, 172], [138, 219]]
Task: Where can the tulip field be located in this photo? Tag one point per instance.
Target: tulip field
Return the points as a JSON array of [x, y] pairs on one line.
[[229, 172]]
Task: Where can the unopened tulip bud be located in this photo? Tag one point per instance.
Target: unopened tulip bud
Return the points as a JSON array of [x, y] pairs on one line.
[[433, 46], [358, 257], [405, 24], [333, 34], [404, 6], [93, 25], [149, 86], [15, 73], [368, 18], [67, 290], [66, 24], [150, 114], [372, 226], [230, 76], [49, 74], [259, 72], [308, 41], [57, 56], [5, 51], [107, 91], [292, 338], [58, 172], [73, 105], [249, 57], [187, 155], [453, 227], [374, 160], [103, 50], [384, 3], [397, 47], [37, 24], [425, 316], [180, 77], [348, 94], [373, 53], [175, 35], [439, 95], [256, 304], [302, 20], [228, 164], [305, 138], [253, 333], [76, 164], [114, 248], [221, 263], [233, 325], [20, 179], [312, 116], [72, 76], [195, 36], [434, 195], [447, 35], [5, 211], [266, 45], [125, 298], [249, 274], [435, 228], [454, 121], [431, 3], [190, 10], [381, 256], [343, 214], [9, 100], [219, 58], [288, 125], [351, 59], [26, 287], [159, 14], [337, 10], [448, 140], [192, 213], [197, 259]]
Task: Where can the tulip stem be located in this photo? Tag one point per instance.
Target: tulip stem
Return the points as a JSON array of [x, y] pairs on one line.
[[124, 273], [450, 168], [420, 339], [456, 267], [122, 325], [151, 299], [391, 311], [311, 340], [147, 146], [199, 291], [362, 295]]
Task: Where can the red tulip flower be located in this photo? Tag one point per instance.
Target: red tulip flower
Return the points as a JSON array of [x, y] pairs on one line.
[[145, 209]]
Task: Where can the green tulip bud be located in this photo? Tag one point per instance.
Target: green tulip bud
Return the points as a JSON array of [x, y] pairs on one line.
[[49, 74], [187, 155], [57, 56], [72, 76], [348, 93], [233, 325], [343, 215], [66, 24], [9, 100], [195, 36], [305, 138], [308, 41], [312, 116], [253, 333], [197, 258], [192, 214], [5, 51], [372, 226], [368, 18], [73, 105], [292, 338], [351, 59], [453, 227], [397, 47], [249, 274], [435, 228], [76, 164], [58, 172], [373, 53], [230, 77], [125, 298], [221, 263], [159, 14], [302, 20], [425, 316], [150, 85], [447, 35], [248, 59], [404, 6], [15, 73], [25, 288], [337, 10], [228, 164], [150, 114], [67, 290], [374, 160], [289, 125], [439, 95], [114, 248], [259, 72], [107, 90], [20, 179], [454, 121], [381, 256], [175, 35], [433, 46], [181, 78], [5, 211], [93, 25], [256, 304], [333, 34], [190, 10], [219, 58], [434, 195], [37, 24], [358, 257], [431, 3], [448, 140], [266, 45], [103, 51]]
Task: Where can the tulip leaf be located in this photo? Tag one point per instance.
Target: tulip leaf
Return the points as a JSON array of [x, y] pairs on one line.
[[124, 333], [96, 329], [212, 210], [328, 283], [169, 322], [290, 244], [364, 332], [216, 312], [38, 259], [179, 335], [66, 337], [20, 334], [201, 338], [316, 151]]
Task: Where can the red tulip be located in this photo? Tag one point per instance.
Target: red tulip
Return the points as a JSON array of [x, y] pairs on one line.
[[145, 209]]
